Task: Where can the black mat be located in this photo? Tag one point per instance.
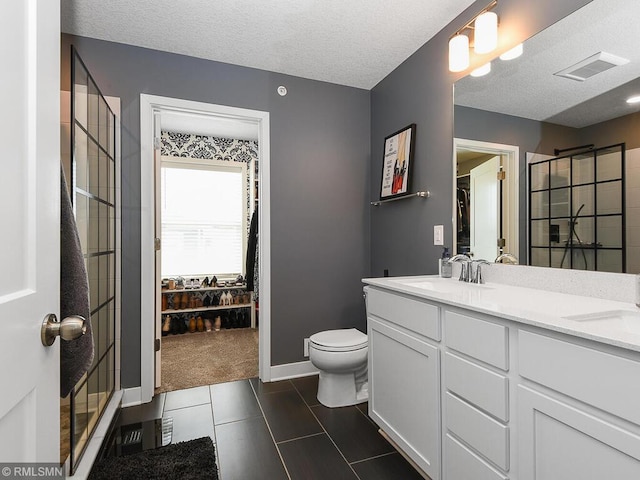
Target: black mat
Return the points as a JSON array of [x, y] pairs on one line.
[[192, 460]]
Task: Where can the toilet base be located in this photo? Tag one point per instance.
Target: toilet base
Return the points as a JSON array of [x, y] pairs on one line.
[[341, 389]]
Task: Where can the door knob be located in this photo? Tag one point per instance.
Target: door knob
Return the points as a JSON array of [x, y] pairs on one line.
[[70, 328]]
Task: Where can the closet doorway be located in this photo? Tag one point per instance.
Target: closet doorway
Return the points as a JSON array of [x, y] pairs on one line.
[[207, 262], [179, 131], [485, 203]]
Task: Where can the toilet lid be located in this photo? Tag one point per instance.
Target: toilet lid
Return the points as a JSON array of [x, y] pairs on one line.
[[343, 339]]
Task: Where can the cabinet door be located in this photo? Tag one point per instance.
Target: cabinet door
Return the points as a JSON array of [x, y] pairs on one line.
[[404, 395], [559, 441]]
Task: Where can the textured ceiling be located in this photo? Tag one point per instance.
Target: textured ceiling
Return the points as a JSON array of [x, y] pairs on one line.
[[526, 87], [355, 43]]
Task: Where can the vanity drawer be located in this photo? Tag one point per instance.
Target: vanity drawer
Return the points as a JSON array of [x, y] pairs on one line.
[[412, 314], [603, 380], [478, 385], [461, 463], [478, 430], [485, 341]]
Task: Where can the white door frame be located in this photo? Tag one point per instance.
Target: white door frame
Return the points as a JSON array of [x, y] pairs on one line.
[[150, 105], [510, 207]]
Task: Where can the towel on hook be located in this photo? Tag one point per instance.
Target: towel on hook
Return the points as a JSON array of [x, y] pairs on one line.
[[76, 356]]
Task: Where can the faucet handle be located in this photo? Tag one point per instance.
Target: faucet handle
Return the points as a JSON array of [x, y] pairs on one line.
[[478, 276], [465, 275]]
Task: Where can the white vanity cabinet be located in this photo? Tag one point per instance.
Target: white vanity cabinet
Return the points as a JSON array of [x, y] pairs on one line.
[[475, 410], [471, 386], [404, 374], [578, 411]]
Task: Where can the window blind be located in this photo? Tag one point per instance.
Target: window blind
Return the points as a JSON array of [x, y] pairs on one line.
[[202, 219]]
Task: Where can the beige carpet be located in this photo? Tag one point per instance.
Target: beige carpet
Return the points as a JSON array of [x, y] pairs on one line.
[[195, 359]]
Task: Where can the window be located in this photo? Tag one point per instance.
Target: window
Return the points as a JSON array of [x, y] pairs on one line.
[[203, 217]]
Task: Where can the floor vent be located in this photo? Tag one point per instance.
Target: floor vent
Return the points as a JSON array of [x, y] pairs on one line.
[[131, 437], [591, 66]]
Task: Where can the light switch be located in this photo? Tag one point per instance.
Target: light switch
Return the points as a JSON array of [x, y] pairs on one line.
[[438, 234]]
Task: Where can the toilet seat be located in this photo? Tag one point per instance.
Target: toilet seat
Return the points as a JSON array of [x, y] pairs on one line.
[[342, 340]]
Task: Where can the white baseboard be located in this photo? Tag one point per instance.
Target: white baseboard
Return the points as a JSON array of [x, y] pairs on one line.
[[292, 370], [131, 397]]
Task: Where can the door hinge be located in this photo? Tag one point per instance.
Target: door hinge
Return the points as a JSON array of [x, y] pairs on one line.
[[501, 175], [157, 345], [501, 243], [157, 143], [156, 244]]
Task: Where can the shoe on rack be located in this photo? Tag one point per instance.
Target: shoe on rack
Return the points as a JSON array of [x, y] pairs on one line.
[[206, 300], [217, 323], [166, 326], [183, 325], [200, 324], [192, 324], [214, 282], [207, 324], [175, 325], [205, 282]]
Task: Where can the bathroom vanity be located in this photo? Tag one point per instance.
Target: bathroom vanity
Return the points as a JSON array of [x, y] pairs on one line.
[[499, 382]]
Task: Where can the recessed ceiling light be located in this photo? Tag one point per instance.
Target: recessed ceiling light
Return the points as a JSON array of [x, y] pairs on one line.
[[634, 99]]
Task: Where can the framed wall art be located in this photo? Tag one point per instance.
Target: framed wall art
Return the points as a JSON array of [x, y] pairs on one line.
[[396, 163]]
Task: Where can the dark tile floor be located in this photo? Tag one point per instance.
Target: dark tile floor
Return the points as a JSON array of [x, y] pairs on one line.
[[272, 431]]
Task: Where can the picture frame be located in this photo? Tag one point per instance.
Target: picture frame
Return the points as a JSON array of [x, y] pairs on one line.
[[397, 161]]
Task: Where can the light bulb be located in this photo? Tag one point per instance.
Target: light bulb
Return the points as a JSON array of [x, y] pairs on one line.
[[480, 71], [515, 52], [634, 99], [486, 32], [459, 53]]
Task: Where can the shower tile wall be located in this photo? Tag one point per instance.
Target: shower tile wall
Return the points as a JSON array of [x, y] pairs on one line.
[[632, 173]]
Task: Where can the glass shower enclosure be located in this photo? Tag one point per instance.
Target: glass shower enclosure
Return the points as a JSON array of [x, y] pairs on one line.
[[93, 185], [577, 210]]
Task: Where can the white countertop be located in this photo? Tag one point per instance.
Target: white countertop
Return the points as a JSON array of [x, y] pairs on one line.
[[529, 306]]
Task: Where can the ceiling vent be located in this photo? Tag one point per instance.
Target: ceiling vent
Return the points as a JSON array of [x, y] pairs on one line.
[[591, 66]]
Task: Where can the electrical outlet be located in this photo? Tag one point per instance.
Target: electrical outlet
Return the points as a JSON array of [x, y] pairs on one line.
[[306, 348], [438, 234]]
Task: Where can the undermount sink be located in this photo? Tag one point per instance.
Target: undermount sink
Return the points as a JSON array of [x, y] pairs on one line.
[[443, 285], [624, 320]]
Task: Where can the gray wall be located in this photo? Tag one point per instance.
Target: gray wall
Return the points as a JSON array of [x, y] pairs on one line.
[[420, 91], [529, 135], [320, 164], [622, 129]]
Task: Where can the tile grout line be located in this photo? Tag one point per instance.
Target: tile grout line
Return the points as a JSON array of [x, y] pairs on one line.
[[374, 457], [264, 417], [325, 431], [300, 438]]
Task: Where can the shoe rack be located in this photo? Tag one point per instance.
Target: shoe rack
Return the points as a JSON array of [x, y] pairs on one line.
[[205, 299]]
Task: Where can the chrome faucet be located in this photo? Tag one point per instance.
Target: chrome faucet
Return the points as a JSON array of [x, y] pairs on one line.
[[477, 278], [506, 258], [465, 261]]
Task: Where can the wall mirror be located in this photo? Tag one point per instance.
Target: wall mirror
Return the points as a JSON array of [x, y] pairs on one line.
[[571, 196]]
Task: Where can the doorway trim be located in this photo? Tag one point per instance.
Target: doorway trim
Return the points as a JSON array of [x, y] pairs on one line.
[[511, 209], [151, 108]]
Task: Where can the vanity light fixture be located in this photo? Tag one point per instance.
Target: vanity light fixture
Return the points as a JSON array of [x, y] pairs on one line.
[[459, 53], [486, 32], [634, 99], [485, 38], [480, 71], [515, 52]]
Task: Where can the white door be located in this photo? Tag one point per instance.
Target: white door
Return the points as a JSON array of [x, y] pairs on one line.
[[158, 235], [30, 217], [485, 210]]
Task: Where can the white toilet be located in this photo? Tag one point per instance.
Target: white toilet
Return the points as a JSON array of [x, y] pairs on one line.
[[341, 358]]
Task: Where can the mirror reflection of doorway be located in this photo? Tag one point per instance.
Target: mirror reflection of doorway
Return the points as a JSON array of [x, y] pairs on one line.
[[485, 211]]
